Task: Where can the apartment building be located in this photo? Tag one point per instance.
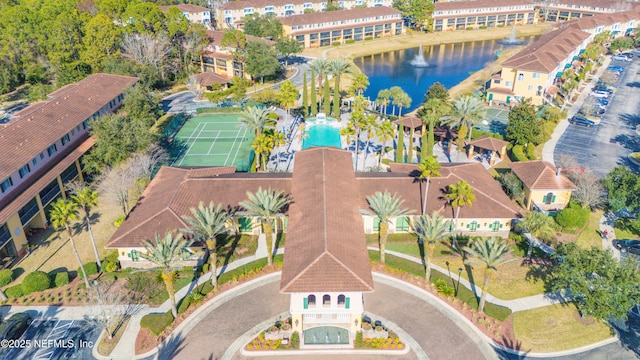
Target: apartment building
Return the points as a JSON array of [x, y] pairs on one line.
[[193, 13], [343, 26], [232, 13], [219, 59], [40, 151], [565, 10], [532, 72], [480, 14]]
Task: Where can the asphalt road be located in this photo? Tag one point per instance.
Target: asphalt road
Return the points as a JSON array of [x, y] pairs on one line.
[[605, 146], [55, 339]]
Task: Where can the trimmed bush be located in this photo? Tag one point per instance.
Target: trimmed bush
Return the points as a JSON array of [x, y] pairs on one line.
[[157, 322], [295, 339], [110, 266], [35, 281], [14, 291], [6, 277], [61, 279], [572, 217], [90, 268], [206, 268], [517, 153], [118, 221], [184, 304], [531, 151]]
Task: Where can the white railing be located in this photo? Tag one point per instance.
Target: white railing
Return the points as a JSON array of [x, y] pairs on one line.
[[326, 318]]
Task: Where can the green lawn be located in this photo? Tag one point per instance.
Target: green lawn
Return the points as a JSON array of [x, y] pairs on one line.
[[556, 328], [623, 231], [590, 236]]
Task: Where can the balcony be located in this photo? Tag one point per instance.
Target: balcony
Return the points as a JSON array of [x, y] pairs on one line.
[[339, 318]]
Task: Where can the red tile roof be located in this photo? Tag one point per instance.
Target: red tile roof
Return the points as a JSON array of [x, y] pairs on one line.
[[548, 51], [241, 4], [541, 175], [592, 22], [209, 78], [409, 122], [490, 143], [38, 126], [326, 247], [338, 15]]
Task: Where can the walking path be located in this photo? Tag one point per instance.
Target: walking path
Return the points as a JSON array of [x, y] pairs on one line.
[[126, 346]]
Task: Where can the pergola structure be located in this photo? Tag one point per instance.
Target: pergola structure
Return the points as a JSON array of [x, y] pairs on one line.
[[490, 148]]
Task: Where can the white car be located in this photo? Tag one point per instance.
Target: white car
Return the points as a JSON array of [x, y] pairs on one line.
[[600, 94], [621, 58]]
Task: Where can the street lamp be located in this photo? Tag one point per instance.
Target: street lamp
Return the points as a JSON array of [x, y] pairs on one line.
[[458, 287]]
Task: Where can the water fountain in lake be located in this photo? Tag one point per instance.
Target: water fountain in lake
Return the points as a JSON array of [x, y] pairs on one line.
[[419, 60], [512, 39]]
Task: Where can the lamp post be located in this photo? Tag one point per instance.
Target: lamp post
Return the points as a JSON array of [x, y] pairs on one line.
[[459, 274]]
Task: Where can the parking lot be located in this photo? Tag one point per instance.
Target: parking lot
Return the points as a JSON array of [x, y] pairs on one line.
[[54, 339], [602, 147]]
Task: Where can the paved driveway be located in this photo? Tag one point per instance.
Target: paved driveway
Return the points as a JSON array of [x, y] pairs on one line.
[[603, 147], [439, 336]]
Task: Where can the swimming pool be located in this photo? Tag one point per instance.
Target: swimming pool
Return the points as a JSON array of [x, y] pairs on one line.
[[321, 134]]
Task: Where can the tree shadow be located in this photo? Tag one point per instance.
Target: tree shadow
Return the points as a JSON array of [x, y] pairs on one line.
[[539, 270], [170, 347], [630, 120], [629, 333], [53, 254], [510, 349]]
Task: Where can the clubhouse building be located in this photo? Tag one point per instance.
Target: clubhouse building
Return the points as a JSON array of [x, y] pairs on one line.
[[535, 71], [40, 151]]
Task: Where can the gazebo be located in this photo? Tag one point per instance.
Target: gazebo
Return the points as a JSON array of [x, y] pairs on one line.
[[410, 123], [488, 147]]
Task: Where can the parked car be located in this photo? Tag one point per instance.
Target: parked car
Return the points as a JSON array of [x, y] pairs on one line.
[[603, 101], [582, 121], [627, 54], [632, 246], [600, 94], [621, 58], [603, 89], [15, 326], [616, 68]]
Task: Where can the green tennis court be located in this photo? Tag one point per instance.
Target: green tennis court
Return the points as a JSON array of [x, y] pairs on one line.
[[213, 140]]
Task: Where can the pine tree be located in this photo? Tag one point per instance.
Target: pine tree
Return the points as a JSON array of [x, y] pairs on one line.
[[326, 102], [336, 97], [305, 100], [314, 101], [400, 145]]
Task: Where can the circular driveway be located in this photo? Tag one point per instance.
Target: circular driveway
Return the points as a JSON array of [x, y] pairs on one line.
[[437, 332]]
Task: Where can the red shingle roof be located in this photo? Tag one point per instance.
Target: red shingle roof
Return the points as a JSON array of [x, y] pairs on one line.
[[189, 8], [541, 175], [38, 126], [592, 22], [241, 4], [490, 143], [548, 51], [209, 78]]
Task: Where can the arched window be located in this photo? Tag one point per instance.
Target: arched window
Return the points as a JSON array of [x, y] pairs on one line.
[[326, 300], [312, 300], [520, 77], [341, 300]]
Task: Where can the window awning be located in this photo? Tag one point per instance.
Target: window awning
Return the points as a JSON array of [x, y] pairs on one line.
[[575, 58], [582, 51], [566, 66], [559, 74]]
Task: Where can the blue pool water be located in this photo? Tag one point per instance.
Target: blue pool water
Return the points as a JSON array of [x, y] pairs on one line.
[[321, 135]]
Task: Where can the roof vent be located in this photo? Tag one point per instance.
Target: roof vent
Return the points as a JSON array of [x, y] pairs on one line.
[[558, 171]]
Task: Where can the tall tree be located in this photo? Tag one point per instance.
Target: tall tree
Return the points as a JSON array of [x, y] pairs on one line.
[[288, 95], [430, 231], [524, 126], [539, 225], [428, 167], [623, 187], [305, 96], [338, 67], [320, 68], [600, 285], [385, 132], [359, 84], [326, 98], [261, 60], [166, 252], [459, 195], [383, 99], [86, 198], [431, 113], [287, 46], [62, 213], [267, 206], [262, 146], [313, 98], [400, 98], [101, 39], [206, 224], [489, 254], [400, 143], [256, 119], [265, 26], [468, 111], [386, 207]]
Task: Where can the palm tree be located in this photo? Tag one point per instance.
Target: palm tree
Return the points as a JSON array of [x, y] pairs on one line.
[[459, 194], [338, 67], [262, 145], [321, 68], [400, 98], [277, 139], [313, 102], [359, 84], [386, 207], [539, 225], [385, 132], [384, 96], [85, 198], [256, 119], [206, 224], [368, 125], [467, 110], [267, 206], [488, 253], [166, 253], [430, 230], [428, 167], [62, 213]]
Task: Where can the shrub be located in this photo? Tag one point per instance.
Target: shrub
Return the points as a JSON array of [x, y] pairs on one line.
[[273, 116], [110, 266], [90, 268], [14, 291], [118, 221], [531, 151], [6, 277], [444, 288], [295, 339], [206, 268], [350, 41], [61, 279], [35, 281], [517, 153], [358, 339], [184, 304], [572, 217], [156, 322]]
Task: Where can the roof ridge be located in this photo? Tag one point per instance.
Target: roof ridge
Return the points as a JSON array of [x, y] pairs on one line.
[[486, 195], [349, 269], [303, 271]]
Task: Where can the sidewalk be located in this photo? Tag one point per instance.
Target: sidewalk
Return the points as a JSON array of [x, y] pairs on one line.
[[550, 146], [607, 222]]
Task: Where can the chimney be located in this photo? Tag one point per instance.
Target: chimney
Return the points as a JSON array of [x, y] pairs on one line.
[[558, 171]]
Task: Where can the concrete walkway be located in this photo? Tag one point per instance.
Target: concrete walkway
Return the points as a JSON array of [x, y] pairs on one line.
[[550, 146], [607, 223]]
